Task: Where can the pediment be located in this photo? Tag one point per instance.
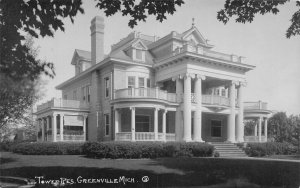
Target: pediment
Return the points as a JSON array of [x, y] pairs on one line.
[[139, 45], [194, 37]]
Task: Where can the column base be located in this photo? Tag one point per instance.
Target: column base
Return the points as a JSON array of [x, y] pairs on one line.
[[198, 140]]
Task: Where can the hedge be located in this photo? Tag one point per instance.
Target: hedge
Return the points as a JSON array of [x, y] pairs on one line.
[[131, 150], [48, 148], [269, 148]]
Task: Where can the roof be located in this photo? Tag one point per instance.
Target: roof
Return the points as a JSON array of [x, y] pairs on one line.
[[84, 54]]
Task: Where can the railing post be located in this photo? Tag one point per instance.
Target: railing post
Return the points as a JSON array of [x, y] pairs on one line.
[[156, 92]]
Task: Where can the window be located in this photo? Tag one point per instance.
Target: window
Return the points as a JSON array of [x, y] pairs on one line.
[[148, 82], [131, 82], [216, 91], [106, 119], [107, 86], [141, 82], [83, 93], [216, 128], [74, 95], [139, 54], [142, 123], [88, 92], [223, 92]]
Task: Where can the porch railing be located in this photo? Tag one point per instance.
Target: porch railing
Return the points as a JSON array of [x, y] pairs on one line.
[[144, 136], [150, 93], [62, 103], [254, 139], [256, 105], [67, 138]]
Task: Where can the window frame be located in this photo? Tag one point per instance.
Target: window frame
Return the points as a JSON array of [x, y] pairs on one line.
[[214, 126], [107, 87], [106, 124], [130, 85]]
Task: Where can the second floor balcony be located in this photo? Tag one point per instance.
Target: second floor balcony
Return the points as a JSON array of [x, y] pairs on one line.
[[62, 103], [156, 93]]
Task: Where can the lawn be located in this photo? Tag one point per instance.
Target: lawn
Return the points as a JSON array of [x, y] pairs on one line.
[[162, 172]]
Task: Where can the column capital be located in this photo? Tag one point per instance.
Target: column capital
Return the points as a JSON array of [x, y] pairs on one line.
[[242, 84], [199, 76], [132, 108], [178, 77]]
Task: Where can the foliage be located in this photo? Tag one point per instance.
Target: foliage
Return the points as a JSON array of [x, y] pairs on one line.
[[269, 148], [48, 148], [130, 150], [245, 10], [137, 10], [279, 128], [249, 127], [20, 69]]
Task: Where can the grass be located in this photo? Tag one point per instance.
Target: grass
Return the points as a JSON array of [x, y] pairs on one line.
[[162, 172]]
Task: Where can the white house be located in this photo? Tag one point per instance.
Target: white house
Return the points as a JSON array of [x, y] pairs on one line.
[[152, 89]]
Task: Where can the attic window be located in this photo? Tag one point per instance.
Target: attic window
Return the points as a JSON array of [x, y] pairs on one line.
[[139, 54]]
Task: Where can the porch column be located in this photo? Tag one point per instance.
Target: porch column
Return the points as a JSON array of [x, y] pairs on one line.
[[240, 123], [48, 125], [84, 127], [255, 128], [61, 119], [259, 129], [198, 112], [132, 123], [231, 118], [116, 123], [266, 129], [155, 124], [54, 127], [178, 115], [187, 105], [43, 129], [164, 124]]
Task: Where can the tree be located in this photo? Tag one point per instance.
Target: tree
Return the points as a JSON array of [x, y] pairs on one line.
[[294, 122], [279, 128], [20, 69], [245, 10]]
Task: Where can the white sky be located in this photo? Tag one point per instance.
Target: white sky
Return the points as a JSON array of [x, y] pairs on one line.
[[276, 78]]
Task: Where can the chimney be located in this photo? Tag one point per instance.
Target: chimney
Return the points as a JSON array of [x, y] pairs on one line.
[[97, 39]]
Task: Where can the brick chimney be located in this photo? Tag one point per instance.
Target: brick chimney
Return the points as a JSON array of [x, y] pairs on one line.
[[97, 39]]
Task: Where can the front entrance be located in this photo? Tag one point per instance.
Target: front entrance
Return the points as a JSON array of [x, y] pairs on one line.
[[216, 128], [142, 123]]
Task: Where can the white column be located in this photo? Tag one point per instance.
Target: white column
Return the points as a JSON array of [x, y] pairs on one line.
[[155, 124], [84, 127], [198, 112], [240, 123], [48, 125], [132, 123], [187, 111], [178, 115], [255, 128], [231, 118], [43, 129], [116, 122], [164, 127], [54, 127], [61, 127], [259, 129], [266, 129]]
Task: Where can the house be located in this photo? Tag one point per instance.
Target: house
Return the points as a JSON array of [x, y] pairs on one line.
[[152, 89]]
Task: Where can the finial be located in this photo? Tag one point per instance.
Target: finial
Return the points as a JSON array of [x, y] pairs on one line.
[[193, 22]]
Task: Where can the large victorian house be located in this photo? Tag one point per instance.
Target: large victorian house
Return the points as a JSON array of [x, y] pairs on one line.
[[152, 89]]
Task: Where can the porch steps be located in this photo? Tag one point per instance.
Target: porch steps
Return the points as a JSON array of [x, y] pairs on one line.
[[228, 150]]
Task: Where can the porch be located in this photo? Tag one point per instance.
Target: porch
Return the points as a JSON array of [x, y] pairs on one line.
[[144, 124]]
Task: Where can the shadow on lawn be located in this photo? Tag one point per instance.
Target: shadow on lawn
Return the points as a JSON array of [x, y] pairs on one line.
[[6, 160], [196, 172]]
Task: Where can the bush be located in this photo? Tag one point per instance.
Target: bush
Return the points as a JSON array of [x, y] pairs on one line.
[[134, 150], [269, 148], [5, 146], [48, 148]]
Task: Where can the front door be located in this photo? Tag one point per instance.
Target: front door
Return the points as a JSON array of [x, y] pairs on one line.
[[216, 128]]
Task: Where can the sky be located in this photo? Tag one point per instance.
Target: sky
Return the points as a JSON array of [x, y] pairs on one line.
[[275, 80]]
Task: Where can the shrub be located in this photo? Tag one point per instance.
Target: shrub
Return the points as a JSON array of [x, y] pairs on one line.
[[5, 146], [269, 148], [133, 150], [48, 148]]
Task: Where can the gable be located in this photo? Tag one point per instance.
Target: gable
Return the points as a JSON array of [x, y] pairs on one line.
[[139, 45], [194, 37]]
